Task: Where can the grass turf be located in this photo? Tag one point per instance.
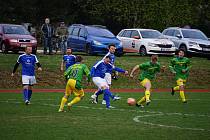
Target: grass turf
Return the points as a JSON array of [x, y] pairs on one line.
[[165, 118], [52, 77]]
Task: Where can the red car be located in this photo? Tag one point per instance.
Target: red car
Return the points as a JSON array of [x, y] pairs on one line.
[[15, 38]]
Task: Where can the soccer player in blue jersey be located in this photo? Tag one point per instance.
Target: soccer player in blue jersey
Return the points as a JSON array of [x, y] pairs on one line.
[[68, 59], [98, 73], [28, 61], [108, 74]]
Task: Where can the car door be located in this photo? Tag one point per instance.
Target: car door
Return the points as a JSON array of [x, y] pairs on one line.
[[135, 39], [82, 39], [177, 37], [74, 39], [126, 40]]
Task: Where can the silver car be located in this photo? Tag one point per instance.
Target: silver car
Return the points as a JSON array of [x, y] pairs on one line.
[[192, 41], [145, 41]]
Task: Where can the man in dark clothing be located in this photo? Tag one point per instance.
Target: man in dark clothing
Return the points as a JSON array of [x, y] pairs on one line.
[[47, 31]]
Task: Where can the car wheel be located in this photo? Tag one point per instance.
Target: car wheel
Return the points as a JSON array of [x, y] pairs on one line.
[[4, 48], [142, 51]]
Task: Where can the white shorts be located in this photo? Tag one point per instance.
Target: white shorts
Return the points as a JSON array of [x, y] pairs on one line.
[[28, 80], [100, 82], [108, 78]]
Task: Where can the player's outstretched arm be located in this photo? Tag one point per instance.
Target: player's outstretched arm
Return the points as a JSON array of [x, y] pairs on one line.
[[15, 68], [133, 70]]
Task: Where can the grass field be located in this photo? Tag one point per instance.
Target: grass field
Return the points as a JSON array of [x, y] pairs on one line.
[[165, 118], [52, 77]]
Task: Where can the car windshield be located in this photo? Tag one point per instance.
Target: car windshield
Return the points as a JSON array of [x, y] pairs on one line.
[[193, 34], [15, 30], [150, 34], [101, 32]]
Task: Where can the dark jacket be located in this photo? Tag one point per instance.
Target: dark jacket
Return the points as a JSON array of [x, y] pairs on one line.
[[47, 30]]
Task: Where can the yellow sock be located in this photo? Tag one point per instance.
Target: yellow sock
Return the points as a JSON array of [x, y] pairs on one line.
[[142, 101], [182, 95], [63, 102], [176, 88], [74, 101], [147, 95]]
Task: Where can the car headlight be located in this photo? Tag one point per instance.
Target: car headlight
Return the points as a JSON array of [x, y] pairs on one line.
[[33, 41], [152, 45], [13, 40], [193, 44], [97, 43]]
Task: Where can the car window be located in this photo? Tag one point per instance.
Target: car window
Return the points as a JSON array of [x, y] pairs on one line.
[[177, 32], [127, 33], [193, 34], [170, 32], [70, 29], [150, 34], [135, 33], [101, 32], [10, 29], [121, 33], [81, 32], [75, 31]]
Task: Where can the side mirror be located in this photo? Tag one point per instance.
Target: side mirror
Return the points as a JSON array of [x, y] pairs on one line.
[[136, 37], [178, 36]]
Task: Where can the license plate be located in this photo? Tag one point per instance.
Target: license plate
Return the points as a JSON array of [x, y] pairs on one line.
[[206, 49], [23, 45], [165, 49]]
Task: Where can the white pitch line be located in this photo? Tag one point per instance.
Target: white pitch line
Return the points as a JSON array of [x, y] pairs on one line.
[[116, 109], [136, 119]]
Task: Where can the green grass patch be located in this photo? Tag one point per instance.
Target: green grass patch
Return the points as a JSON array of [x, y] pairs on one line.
[[165, 118], [52, 77]]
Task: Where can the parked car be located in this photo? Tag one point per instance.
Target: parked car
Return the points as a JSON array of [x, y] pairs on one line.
[[92, 39], [145, 41], [192, 41], [15, 38]]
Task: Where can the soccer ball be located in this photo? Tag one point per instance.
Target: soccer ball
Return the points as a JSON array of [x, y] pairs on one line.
[[131, 101]]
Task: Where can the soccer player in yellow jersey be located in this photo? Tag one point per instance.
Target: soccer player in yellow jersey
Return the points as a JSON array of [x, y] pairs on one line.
[[149, 70], [180, 66], [74, 74]]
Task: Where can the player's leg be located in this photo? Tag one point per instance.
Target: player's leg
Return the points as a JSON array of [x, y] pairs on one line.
[[25, 82], [146, 98], [180, 83], [79, 94], [32, 81], [66, 96], [176, 88]]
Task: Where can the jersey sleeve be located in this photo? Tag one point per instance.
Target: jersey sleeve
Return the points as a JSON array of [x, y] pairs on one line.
[[187, 64], [19, 60], [171, 65], [67, 72], [87, 72], [36, 60]]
